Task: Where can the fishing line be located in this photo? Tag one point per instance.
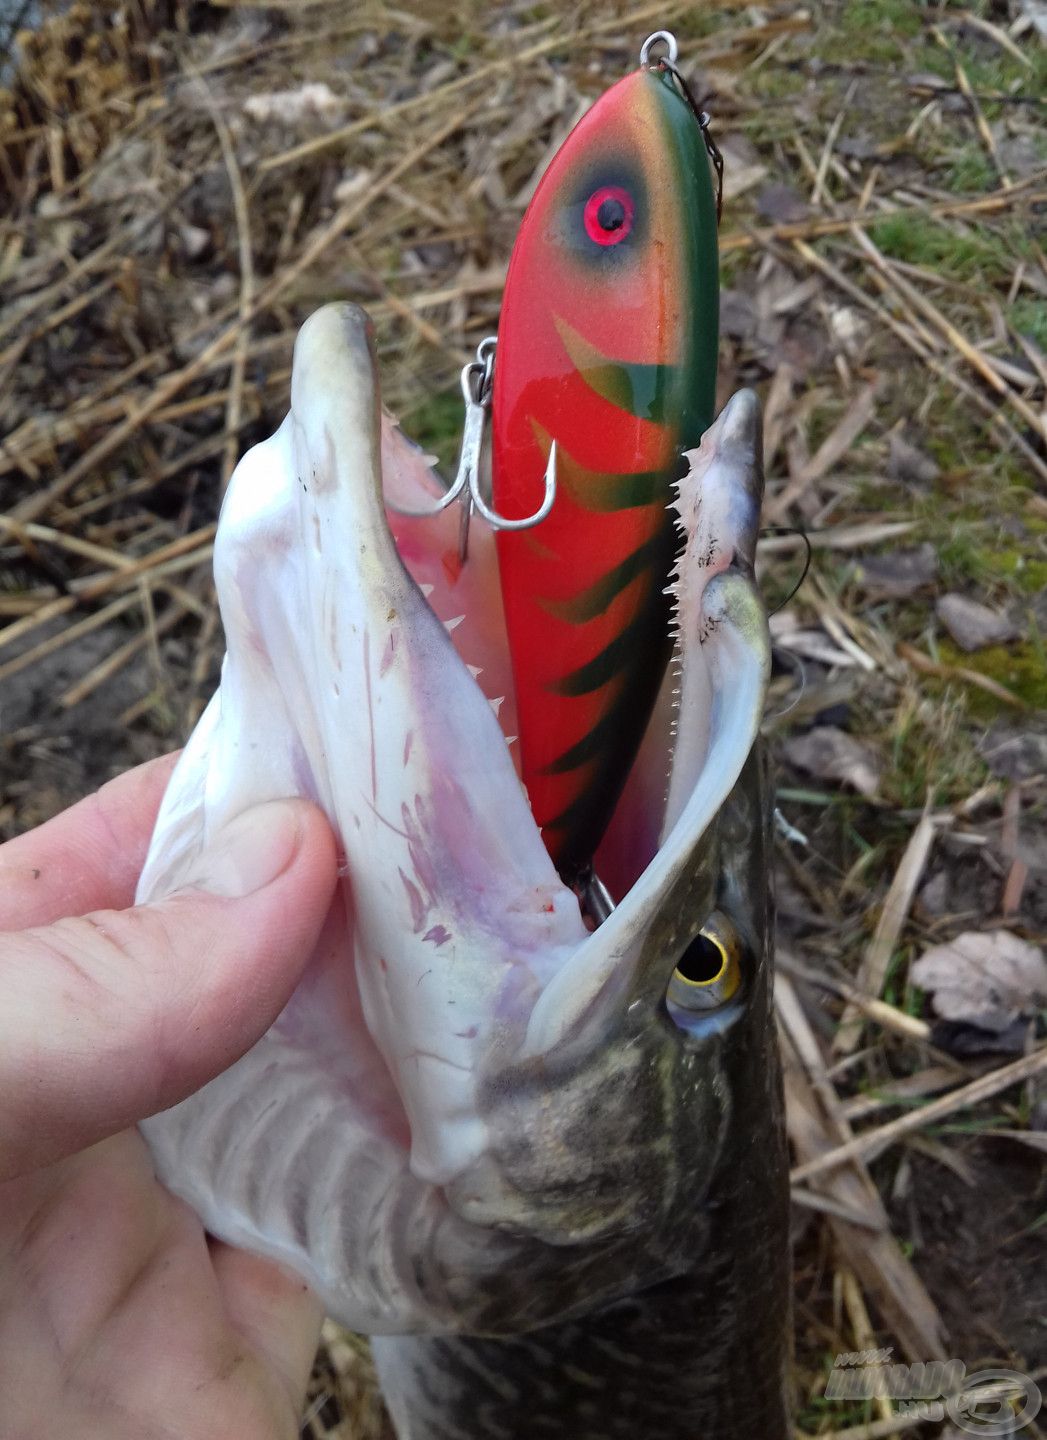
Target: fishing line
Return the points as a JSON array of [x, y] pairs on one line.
[[795, 664], [786, 656], [791, 530]]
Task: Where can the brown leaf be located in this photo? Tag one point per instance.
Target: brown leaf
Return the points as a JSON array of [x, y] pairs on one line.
[[899, 573], [832, 754], [973, 625], [781, 205], [984, 978]]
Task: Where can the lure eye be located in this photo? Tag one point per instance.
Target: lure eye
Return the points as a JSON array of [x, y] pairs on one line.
[[608, 215], [709, 971]]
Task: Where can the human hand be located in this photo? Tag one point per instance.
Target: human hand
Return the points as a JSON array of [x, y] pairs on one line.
[[119, 1316]]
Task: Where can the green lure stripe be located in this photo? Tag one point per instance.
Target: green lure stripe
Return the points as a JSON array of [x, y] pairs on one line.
[[638, 389], [616, 656], [587, 604], [589, 748]]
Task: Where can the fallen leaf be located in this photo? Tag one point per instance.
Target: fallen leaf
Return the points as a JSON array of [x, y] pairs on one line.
[[973, 625], [984, 978], [899, 573], [831, 754], [781, 205]]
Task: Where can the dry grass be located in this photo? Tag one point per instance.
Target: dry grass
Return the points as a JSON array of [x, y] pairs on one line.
[[167, 231]]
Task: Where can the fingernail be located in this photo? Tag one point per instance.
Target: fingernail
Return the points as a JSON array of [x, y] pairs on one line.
[[250, 852]]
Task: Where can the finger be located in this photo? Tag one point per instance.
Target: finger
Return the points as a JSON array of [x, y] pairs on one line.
[[87, 857], [275, 1311], [110, 1017]]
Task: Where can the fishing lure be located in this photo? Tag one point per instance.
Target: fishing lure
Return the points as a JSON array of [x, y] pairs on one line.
[[607, 352]]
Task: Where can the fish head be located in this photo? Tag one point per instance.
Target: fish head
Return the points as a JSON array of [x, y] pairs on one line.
[[469, 1071]]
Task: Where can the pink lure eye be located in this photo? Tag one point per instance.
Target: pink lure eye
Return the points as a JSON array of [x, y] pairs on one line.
[[609, 215]]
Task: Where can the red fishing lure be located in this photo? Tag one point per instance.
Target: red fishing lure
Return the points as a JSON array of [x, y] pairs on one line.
[[607, 346]]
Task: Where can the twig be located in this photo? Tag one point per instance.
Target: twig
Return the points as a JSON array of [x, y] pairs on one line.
[[826, 1205], [241, 210], [919, 661], [840, 537], [832, 449], [815, 1121], [872, 972], [964, 86], [842, 224], [874, 1142], [888, 1017]]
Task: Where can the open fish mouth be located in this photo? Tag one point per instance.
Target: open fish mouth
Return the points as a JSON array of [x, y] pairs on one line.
[[437, 1063]]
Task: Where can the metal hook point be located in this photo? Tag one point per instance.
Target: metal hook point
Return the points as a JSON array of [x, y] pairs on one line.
[[499, 522]]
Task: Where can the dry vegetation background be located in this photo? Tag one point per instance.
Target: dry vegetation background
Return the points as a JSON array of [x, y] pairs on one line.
[[183, 183]]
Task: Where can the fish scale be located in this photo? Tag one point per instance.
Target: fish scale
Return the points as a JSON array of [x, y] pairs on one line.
[[607, 346]]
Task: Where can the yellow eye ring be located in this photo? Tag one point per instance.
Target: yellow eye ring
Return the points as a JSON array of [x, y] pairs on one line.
[[709, 972]]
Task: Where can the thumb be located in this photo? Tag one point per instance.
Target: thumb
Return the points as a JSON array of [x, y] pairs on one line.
[[110, 1017]]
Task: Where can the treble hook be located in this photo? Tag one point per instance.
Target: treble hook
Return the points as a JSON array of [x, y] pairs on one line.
[[477, 385]]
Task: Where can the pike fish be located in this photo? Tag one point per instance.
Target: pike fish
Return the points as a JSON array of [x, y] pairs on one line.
[[607, 347], [542, 1163]]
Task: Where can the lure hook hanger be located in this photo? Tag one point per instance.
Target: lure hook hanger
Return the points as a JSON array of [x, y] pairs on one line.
[[668, 39], [704, 119], [477, 385]]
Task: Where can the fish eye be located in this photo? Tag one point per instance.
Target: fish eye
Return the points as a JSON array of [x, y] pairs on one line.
[[608, 215], [709, 972]]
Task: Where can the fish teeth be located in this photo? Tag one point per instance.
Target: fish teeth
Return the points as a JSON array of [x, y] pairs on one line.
[[450, 625]]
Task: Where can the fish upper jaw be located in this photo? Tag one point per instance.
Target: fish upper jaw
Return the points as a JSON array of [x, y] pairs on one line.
[[459, 915]]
